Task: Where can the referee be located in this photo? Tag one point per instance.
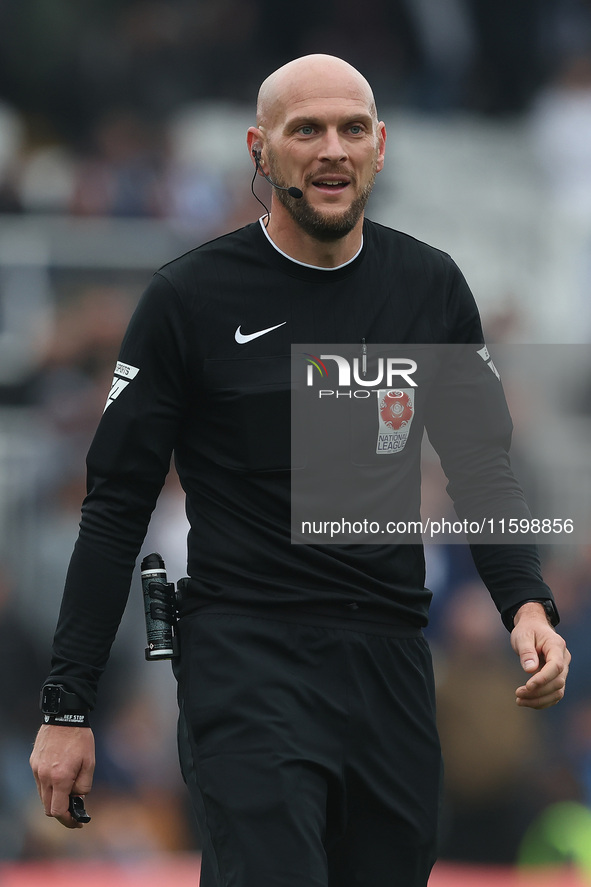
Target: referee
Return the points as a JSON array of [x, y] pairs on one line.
[[307, 715]]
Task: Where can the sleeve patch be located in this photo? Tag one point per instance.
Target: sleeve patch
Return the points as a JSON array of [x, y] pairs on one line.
[[124, 373], [484, 353]]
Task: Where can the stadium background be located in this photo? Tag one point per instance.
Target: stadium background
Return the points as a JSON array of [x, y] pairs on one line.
[[122, 128]]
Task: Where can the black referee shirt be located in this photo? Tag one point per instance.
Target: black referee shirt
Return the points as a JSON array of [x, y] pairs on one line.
[[192, 380]]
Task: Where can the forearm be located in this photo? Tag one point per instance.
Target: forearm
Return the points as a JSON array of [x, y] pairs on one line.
[[95, 597], [115, 517]]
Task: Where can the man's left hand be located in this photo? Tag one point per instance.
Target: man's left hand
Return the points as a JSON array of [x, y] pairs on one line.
[[543, 654]]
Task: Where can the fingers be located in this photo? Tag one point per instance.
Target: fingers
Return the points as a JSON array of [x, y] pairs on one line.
[[547, 684], [64, 817], [541, 692], [538, 700], [529, 658], [55, 797]]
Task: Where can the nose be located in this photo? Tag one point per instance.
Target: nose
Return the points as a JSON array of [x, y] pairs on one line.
[[332, 148]]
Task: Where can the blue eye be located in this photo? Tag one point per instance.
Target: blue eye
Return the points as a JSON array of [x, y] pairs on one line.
[[306, 129], [356, 129]]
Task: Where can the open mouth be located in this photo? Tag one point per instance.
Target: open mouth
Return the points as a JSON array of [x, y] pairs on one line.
[[332, 186]]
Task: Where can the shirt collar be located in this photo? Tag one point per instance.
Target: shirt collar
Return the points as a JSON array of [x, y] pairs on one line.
[[305, 264]]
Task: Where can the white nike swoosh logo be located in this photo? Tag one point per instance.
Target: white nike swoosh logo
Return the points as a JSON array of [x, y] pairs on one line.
[[241, 338]]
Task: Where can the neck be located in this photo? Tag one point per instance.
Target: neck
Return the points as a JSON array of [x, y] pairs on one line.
[[299, 245]]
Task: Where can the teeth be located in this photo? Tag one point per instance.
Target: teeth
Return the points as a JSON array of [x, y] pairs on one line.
[[331, 183]]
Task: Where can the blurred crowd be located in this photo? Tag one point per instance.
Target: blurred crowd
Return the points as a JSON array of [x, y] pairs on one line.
[[109, 108], [104, 105]]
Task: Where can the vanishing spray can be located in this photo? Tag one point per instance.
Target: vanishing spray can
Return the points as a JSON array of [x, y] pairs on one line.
[[159, 608]]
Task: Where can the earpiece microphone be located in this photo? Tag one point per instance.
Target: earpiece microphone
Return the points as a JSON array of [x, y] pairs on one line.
[[293, 192]]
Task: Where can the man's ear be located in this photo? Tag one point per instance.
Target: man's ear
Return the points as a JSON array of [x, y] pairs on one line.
[[381, 145], [255, 140]]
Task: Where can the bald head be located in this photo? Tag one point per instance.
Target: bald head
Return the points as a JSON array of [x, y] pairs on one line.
[[310, 77]]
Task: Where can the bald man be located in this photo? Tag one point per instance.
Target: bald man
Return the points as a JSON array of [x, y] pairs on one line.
[[307, 717]]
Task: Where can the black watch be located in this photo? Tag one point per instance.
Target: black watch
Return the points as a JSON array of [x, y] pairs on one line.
[[56, 700], [547, 603]]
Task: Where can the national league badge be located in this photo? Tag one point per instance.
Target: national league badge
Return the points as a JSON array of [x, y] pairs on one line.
[[396, 407]]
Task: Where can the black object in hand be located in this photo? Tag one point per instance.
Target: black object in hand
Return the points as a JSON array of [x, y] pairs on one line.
[[77, 810]]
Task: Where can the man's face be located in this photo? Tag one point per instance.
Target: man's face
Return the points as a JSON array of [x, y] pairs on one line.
[[328, 143]]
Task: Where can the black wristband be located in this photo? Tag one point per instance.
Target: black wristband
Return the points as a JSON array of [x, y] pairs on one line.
[[69, 719], [548, 605], [56, 701]]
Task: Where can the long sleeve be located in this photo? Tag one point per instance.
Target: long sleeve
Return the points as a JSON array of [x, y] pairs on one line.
[[469, 424], [127, 464]]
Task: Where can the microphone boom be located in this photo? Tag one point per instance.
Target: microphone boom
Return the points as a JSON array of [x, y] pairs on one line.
[[292, 191]]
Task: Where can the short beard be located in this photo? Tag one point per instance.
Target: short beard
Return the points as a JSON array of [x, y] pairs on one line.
[[325, 228]]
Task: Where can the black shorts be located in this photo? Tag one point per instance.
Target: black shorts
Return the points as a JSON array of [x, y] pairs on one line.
[[311, 752]]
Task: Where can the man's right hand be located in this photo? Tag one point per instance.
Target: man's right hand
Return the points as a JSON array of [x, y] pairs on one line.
[[62, 762]]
